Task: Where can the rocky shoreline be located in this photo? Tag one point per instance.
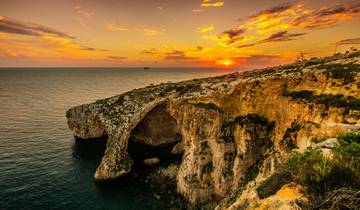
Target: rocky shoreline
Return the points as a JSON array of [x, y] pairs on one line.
[[212, 142]]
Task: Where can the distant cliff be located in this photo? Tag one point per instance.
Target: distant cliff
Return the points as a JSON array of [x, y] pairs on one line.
[[233, 131]]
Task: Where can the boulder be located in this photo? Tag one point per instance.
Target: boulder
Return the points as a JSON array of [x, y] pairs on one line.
[[151, 161]]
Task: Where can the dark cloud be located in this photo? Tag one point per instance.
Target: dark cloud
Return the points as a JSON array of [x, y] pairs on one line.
[[272, 10], [331, 11], [325, 17], [177, 55], [233, 35], [246, 45], [197, 49], [88, 48], [151, 51], [348, 41], [117, 57], [282, 36], [92, 49], [29, 29]]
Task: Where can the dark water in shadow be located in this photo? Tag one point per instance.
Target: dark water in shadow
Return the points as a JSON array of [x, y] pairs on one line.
[[41, 166]]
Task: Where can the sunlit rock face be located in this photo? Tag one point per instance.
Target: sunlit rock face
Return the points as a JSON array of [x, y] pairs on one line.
[[158, 127], [233, 130], [84, 123]]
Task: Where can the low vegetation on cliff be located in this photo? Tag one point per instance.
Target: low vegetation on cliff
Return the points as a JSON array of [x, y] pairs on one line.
[[335, 177], [329, 100], [231, 132]]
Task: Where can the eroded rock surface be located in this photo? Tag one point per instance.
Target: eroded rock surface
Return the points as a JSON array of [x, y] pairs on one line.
[[233, 130]]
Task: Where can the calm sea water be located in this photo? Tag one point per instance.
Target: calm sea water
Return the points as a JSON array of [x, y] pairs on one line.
[[41, 166]]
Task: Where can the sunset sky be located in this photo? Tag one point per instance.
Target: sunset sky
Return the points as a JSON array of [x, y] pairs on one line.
[[173, 33]]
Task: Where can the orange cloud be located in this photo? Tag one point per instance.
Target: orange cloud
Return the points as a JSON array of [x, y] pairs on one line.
[[279, 19], [114, 27], [272, 11], [208, 4], [326, 17], [29, 29], [172, 54], [206, 28], [197, 10], [152, 32], [83, 15], [214, 4]]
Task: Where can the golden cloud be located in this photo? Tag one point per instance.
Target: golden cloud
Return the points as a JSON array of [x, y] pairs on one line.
[[326, 17], [83, 15], [152, 32], [279, 19], [214, 4], [206, 28], [207, 4], [197, 10], [113, 27], [169, 53]]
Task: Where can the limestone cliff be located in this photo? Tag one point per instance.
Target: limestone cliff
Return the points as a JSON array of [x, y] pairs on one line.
[[233, 130]]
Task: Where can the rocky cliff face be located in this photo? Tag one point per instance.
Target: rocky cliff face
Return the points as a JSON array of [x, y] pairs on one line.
[[233, 130]]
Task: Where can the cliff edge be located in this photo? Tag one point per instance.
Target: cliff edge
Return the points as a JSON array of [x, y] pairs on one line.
[[232, 131]]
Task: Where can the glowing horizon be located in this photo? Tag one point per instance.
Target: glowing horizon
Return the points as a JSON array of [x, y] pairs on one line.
[[163, 33]]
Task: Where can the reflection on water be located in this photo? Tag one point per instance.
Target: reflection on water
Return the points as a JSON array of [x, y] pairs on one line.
[[88, 153], [89, 149], [41, 166]]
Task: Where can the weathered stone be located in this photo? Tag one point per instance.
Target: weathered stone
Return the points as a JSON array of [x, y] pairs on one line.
[[329, 143], [178, 148], [288, 197], [151, 161], [235, 129]]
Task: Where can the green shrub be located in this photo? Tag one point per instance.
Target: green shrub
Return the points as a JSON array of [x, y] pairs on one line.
[[318, 174], [355, 54], [344, 72], [314, 61], [348, 150], [330, 100]]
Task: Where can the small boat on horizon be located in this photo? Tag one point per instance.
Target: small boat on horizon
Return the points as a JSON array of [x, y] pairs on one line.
[[146, 67]]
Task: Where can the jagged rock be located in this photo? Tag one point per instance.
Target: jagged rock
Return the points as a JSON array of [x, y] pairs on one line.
[[151, 161], [157, 128], [178, 149], [84, 123], [329, 143], [327, 146], [234, 129], [288, 197]]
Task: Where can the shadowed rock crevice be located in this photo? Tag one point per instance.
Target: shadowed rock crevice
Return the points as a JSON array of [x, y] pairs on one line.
[[233, 130], [152, 141], [158, 127]]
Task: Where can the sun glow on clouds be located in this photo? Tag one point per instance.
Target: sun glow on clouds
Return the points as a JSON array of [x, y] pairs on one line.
[[214, 4], [152, 32], [206, 28], [270, 34], [225, 62], [208, 4]]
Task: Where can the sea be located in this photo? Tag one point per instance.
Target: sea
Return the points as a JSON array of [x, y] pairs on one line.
[[41, 164]]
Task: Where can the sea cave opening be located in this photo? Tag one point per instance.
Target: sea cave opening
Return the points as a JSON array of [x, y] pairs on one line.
[[155, 141]]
